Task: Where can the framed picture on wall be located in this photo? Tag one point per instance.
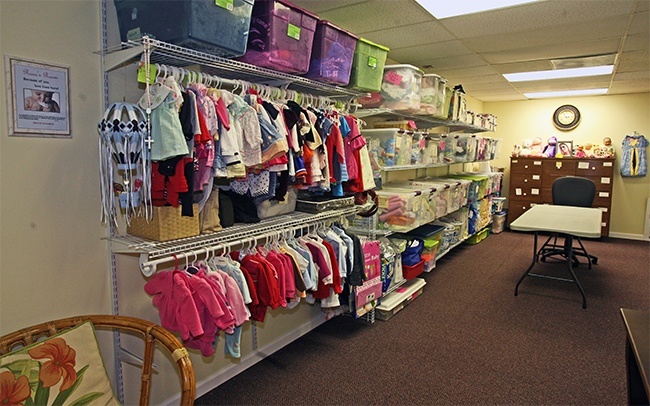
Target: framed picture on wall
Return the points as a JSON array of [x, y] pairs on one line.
[[565, 148], [38, 103]]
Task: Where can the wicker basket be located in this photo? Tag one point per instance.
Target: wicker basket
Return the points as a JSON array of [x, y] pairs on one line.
[[167, 224]]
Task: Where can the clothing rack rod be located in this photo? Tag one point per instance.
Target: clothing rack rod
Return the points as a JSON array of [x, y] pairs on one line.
[[266, 90], [149, 266]]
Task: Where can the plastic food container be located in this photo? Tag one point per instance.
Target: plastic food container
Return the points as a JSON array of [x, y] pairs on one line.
[[281, 36], [332, 54], [368, 66], [216, 27], [400, 88]]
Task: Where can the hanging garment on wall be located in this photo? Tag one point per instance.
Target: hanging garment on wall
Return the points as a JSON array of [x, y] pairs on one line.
[[635, 160]]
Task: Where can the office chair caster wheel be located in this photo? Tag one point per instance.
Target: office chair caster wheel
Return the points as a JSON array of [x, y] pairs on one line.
[[594, 261]]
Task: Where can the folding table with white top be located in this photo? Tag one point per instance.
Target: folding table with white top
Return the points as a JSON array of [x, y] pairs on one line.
[[567, 220]]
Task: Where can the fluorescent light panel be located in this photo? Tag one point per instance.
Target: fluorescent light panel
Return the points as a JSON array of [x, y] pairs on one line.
[[559, 73], [566, 93], [452, 8]]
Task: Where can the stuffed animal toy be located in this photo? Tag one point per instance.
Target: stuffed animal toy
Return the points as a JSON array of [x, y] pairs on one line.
[[526, 147], [588, 150], [536, 149], [607, 150], [516, 151], [550, 149], [579, 152]]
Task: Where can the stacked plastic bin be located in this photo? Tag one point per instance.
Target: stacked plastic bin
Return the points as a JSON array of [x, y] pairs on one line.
[[281, 36], [219, 28], [368, 66], [400, 88], [398, 209], [332, 54], [432, 95]]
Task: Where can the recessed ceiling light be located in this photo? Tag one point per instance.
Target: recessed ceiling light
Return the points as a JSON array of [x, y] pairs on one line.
[[451, 8], [559, 73], [566, 93]]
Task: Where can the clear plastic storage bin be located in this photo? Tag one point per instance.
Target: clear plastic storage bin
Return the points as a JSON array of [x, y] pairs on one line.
[[393, 145], [398, 209], [332, 54], [432, 95], [400, 88], [281, 36], [368, 66], [219, 28]]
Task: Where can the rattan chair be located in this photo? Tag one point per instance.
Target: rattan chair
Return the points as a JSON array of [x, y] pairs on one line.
[[151, 334]]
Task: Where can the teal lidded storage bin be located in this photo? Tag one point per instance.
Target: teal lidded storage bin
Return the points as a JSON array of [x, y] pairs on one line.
[[212, 26]]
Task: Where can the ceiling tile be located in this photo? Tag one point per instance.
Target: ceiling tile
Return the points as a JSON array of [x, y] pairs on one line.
[[630, 86], [430, 51], [534, 16], [632, 75], [640, 23], [633, 61], [319, 6], [558, 35], [527, 66], [377, 15], [410, 35], [462, 72], [643, 5], [466, 61], [553, 51], [636, 42]]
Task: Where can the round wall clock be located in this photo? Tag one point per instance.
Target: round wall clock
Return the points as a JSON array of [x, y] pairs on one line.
[[566, 117]]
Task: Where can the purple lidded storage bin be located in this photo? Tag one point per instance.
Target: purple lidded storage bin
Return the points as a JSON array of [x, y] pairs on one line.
[[332, 54], [280, 37]]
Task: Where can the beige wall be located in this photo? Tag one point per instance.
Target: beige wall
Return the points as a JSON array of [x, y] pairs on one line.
[[602, 116], [53, 262]]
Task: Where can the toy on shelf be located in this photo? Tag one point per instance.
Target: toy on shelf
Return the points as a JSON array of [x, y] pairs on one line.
[[607, 150], [526, 147], [536, 148], [579, 152], [551, 148]]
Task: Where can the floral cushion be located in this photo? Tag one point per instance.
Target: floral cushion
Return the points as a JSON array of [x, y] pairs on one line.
[[65, 369]]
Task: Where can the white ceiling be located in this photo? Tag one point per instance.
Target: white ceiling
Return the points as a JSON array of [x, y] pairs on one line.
[[474, 50]]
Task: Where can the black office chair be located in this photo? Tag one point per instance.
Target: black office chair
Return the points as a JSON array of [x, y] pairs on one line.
[[570, 191]]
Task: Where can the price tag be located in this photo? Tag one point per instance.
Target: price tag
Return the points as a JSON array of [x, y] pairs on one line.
[[604, 181], [293, 31], [134, 34], [583, 165], [393, 77], [142, 73], [372, 62], [227, 4]]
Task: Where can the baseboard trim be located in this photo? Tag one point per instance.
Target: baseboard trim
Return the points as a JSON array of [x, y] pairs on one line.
[[248, 360], [627, 236]]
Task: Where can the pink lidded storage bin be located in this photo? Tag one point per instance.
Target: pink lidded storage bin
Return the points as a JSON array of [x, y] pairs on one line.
[[280, 37], [332, 54]]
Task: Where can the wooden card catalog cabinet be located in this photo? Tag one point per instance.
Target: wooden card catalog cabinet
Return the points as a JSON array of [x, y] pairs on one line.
[[531, 180]]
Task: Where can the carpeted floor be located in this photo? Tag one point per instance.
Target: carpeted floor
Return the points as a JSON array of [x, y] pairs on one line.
[[468, 340]]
